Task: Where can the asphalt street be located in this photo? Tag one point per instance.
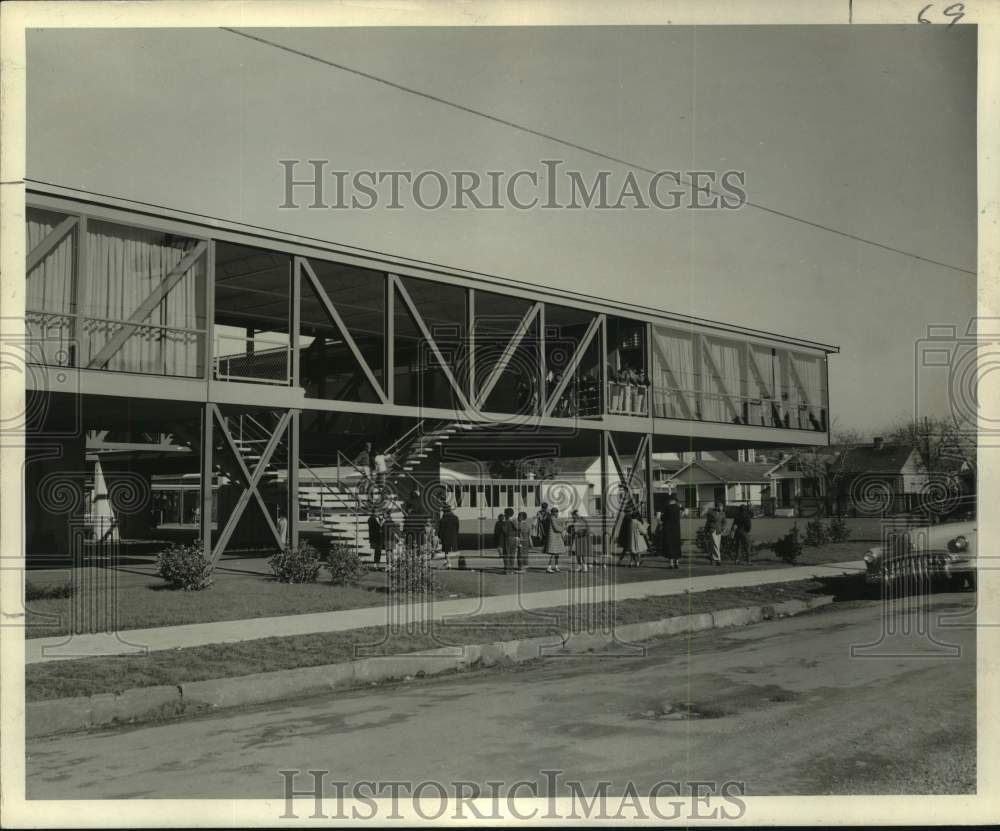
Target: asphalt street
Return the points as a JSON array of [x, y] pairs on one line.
[[781, 706]]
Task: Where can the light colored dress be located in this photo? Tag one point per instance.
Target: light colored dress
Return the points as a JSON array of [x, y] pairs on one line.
[[637, 542], [554, 543]]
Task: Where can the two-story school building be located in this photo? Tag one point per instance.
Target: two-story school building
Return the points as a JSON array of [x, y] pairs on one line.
[[193, 379]]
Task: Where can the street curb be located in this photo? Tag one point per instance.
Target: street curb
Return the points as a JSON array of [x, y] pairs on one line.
[[62, 715]]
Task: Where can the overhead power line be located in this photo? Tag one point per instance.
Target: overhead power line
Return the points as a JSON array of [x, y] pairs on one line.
[[576, 146]]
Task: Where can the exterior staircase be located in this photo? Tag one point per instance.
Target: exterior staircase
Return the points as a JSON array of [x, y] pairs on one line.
[[339, 499]]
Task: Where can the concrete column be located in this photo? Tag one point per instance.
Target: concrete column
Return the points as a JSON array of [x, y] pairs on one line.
[[207, 471], [293, 479]]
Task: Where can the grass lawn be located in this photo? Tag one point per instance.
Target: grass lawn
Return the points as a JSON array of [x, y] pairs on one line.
[[87, 676], [244, 588], [143, 601]]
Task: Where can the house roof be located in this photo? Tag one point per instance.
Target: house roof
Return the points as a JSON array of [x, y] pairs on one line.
[[730, 471], [567, 465], [889, 458]]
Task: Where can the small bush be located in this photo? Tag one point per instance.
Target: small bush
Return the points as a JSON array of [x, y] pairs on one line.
[[701, 540], [837, 530], [789, 547], [816, 533], [296, 565], [410, 574], [32, 591], [185, 567], [346, 567]]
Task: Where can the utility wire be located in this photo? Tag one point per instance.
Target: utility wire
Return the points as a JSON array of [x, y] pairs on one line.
[[582, 148]]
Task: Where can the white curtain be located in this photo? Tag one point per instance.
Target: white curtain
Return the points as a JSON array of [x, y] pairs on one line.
[[50, 289], [125, 266], [810, 371], [720, 399], [761, 395], [678, 348]]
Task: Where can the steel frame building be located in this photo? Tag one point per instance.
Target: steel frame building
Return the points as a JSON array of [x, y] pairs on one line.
[[131, 303]]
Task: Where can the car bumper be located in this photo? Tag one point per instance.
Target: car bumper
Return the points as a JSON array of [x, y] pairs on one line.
[[933, 566]]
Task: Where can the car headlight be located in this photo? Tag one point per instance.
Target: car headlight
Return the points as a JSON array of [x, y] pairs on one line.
[[958, 544]]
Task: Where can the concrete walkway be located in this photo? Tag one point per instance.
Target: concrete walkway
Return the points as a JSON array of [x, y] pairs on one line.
[[140, 641]]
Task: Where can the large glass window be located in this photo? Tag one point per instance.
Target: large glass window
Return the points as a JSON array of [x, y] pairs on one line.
[[566, 334], [252, 310], [628, 373], [133, 302], [710, 378], [143, 304], [498, 319], [51, 286], [443, 309], [328, 367]]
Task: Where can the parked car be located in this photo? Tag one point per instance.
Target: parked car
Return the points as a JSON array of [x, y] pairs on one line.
[[944, 553]]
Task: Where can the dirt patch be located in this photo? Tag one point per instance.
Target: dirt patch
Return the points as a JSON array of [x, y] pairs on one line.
[[731, 702]]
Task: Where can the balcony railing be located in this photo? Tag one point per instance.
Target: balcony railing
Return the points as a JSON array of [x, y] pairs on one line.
[[66, 339], [241, 358], [628, 399], [755, 412]]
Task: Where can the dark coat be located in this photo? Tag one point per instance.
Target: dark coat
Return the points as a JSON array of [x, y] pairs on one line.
[[625, 533], [448, 531], [670, 531], [375, 532], [416, 516], [507, 532]]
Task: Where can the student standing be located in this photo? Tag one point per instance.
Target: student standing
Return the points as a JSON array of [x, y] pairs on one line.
[[638, 539], [523, 541], [539, 527], [742, 524], [715, 524], [375, 535], [625, 535], [380, 465], [508, 540], [448, 532], [554, 542], [670, 531], [579, 531]]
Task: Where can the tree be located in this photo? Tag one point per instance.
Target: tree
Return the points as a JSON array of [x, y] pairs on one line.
[[826, 464], [942, 444], [522, 468]]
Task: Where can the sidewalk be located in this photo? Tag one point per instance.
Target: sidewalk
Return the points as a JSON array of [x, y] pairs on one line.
[[130, 642]]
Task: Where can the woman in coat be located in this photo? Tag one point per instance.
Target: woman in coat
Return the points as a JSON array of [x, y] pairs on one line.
[[554, 542], [670, 531], [448, 533], [625, 535]]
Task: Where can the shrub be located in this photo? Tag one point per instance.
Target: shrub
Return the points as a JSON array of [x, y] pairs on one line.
[[816, 533], [296, 565], [185, 567], [32, 591], [346, 567], [701, 540], [410, 574], [837, 530], [789, 547]]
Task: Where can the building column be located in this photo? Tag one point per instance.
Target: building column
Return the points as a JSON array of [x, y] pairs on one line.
[[206, 478], [650, 509], [604, 494], [293, 479]]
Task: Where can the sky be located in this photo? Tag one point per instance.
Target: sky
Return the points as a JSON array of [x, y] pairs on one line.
[[869, 130]]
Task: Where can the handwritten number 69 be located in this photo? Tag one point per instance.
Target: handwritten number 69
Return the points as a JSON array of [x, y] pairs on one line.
[[956, 11]]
